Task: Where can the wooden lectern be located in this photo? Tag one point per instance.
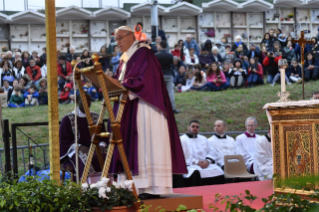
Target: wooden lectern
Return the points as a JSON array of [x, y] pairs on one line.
[[112, 91], [295, 141]]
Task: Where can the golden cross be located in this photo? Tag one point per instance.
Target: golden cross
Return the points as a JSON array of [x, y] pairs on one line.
[[302, 43]]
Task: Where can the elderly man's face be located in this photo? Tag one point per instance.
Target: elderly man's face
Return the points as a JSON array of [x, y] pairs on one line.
[[17, 55], [9, 54], [188, 39], [32, 63], [72, 51], [124, 39], [238, 40], [251, 126]]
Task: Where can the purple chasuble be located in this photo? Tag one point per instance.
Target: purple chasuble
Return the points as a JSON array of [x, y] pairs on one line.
[[144, 77]]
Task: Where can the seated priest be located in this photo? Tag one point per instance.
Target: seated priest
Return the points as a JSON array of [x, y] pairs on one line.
[[246, 143], [67, 139], [201, 166], [222, 144], [263, 163]]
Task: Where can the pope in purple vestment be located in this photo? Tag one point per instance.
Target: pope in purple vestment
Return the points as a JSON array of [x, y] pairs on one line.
[[150, 137]]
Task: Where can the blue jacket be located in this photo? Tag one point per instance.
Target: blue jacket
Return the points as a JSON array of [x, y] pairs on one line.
[[90, 90], [315, 62], [116, 61], [257, 53], [291, 70], [192, 44], [34, 95]]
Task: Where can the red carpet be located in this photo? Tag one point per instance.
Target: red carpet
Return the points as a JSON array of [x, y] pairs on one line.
[[261, 189]]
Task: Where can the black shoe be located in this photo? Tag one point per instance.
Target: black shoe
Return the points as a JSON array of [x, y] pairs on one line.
[[176, 111], [148, 196]]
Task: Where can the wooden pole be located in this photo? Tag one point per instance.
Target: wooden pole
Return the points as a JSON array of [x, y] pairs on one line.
[[53, 105]]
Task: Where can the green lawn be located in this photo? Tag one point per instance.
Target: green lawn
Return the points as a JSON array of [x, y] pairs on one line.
[[233, 106]]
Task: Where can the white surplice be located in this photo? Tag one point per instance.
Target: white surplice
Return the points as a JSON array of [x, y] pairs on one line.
[[195, 150], [154, 150], [263, 161], [247, 148], [223, 146]]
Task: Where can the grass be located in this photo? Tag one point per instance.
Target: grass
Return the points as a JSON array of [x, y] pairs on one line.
[[233, 106]]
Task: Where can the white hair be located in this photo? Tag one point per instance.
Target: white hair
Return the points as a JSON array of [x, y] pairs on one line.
[[72, 47], [17, 53], [215, 48], [9, 52], [35, 52], [189, 35], [251, 118], [238, 36]]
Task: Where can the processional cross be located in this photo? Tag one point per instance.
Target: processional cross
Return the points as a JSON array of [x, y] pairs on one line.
[[302, 43]]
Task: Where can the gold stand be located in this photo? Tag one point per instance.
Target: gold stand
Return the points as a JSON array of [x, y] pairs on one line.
[[112, 91]]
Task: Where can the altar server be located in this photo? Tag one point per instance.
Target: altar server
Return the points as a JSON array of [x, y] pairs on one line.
[[198, 156], [222, 144], [246, 143], [67, 139], [263, 162]]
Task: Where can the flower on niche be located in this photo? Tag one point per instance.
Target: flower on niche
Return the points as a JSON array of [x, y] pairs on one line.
[[108, 189], [128, 184]]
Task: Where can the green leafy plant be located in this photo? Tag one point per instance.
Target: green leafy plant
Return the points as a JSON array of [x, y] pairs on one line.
[[46, 195]]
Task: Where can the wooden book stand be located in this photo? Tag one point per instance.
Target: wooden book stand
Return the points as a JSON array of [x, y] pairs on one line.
[[112, 91]]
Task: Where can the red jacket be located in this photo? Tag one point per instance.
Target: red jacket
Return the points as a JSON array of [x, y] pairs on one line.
[[266, 60], [259, 71], [177, 53], [69, 69], [64, 95], [29, 72]]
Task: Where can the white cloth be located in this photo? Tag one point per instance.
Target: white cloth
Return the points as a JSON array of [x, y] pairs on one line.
[[154, 151], [237, 73], [44, 71], [188, 85], [22, 72], [195, 150], [185, 50], [188, 60], [247, 148], [223, 146], [263, 165]]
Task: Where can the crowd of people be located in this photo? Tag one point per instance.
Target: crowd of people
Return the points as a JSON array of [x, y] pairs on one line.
[[188, 67]]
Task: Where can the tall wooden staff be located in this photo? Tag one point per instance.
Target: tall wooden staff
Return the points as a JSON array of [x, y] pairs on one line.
[[54, 146], [302, 42]]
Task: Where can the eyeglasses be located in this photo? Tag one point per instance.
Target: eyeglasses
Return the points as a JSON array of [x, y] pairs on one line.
[[195, 127], [119, 39]]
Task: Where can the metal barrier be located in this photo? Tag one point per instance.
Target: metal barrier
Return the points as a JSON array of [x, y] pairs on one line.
[[14, 149]]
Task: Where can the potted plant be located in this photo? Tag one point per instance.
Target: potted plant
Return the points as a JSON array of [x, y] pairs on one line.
[[291, 15], [104, 198]]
